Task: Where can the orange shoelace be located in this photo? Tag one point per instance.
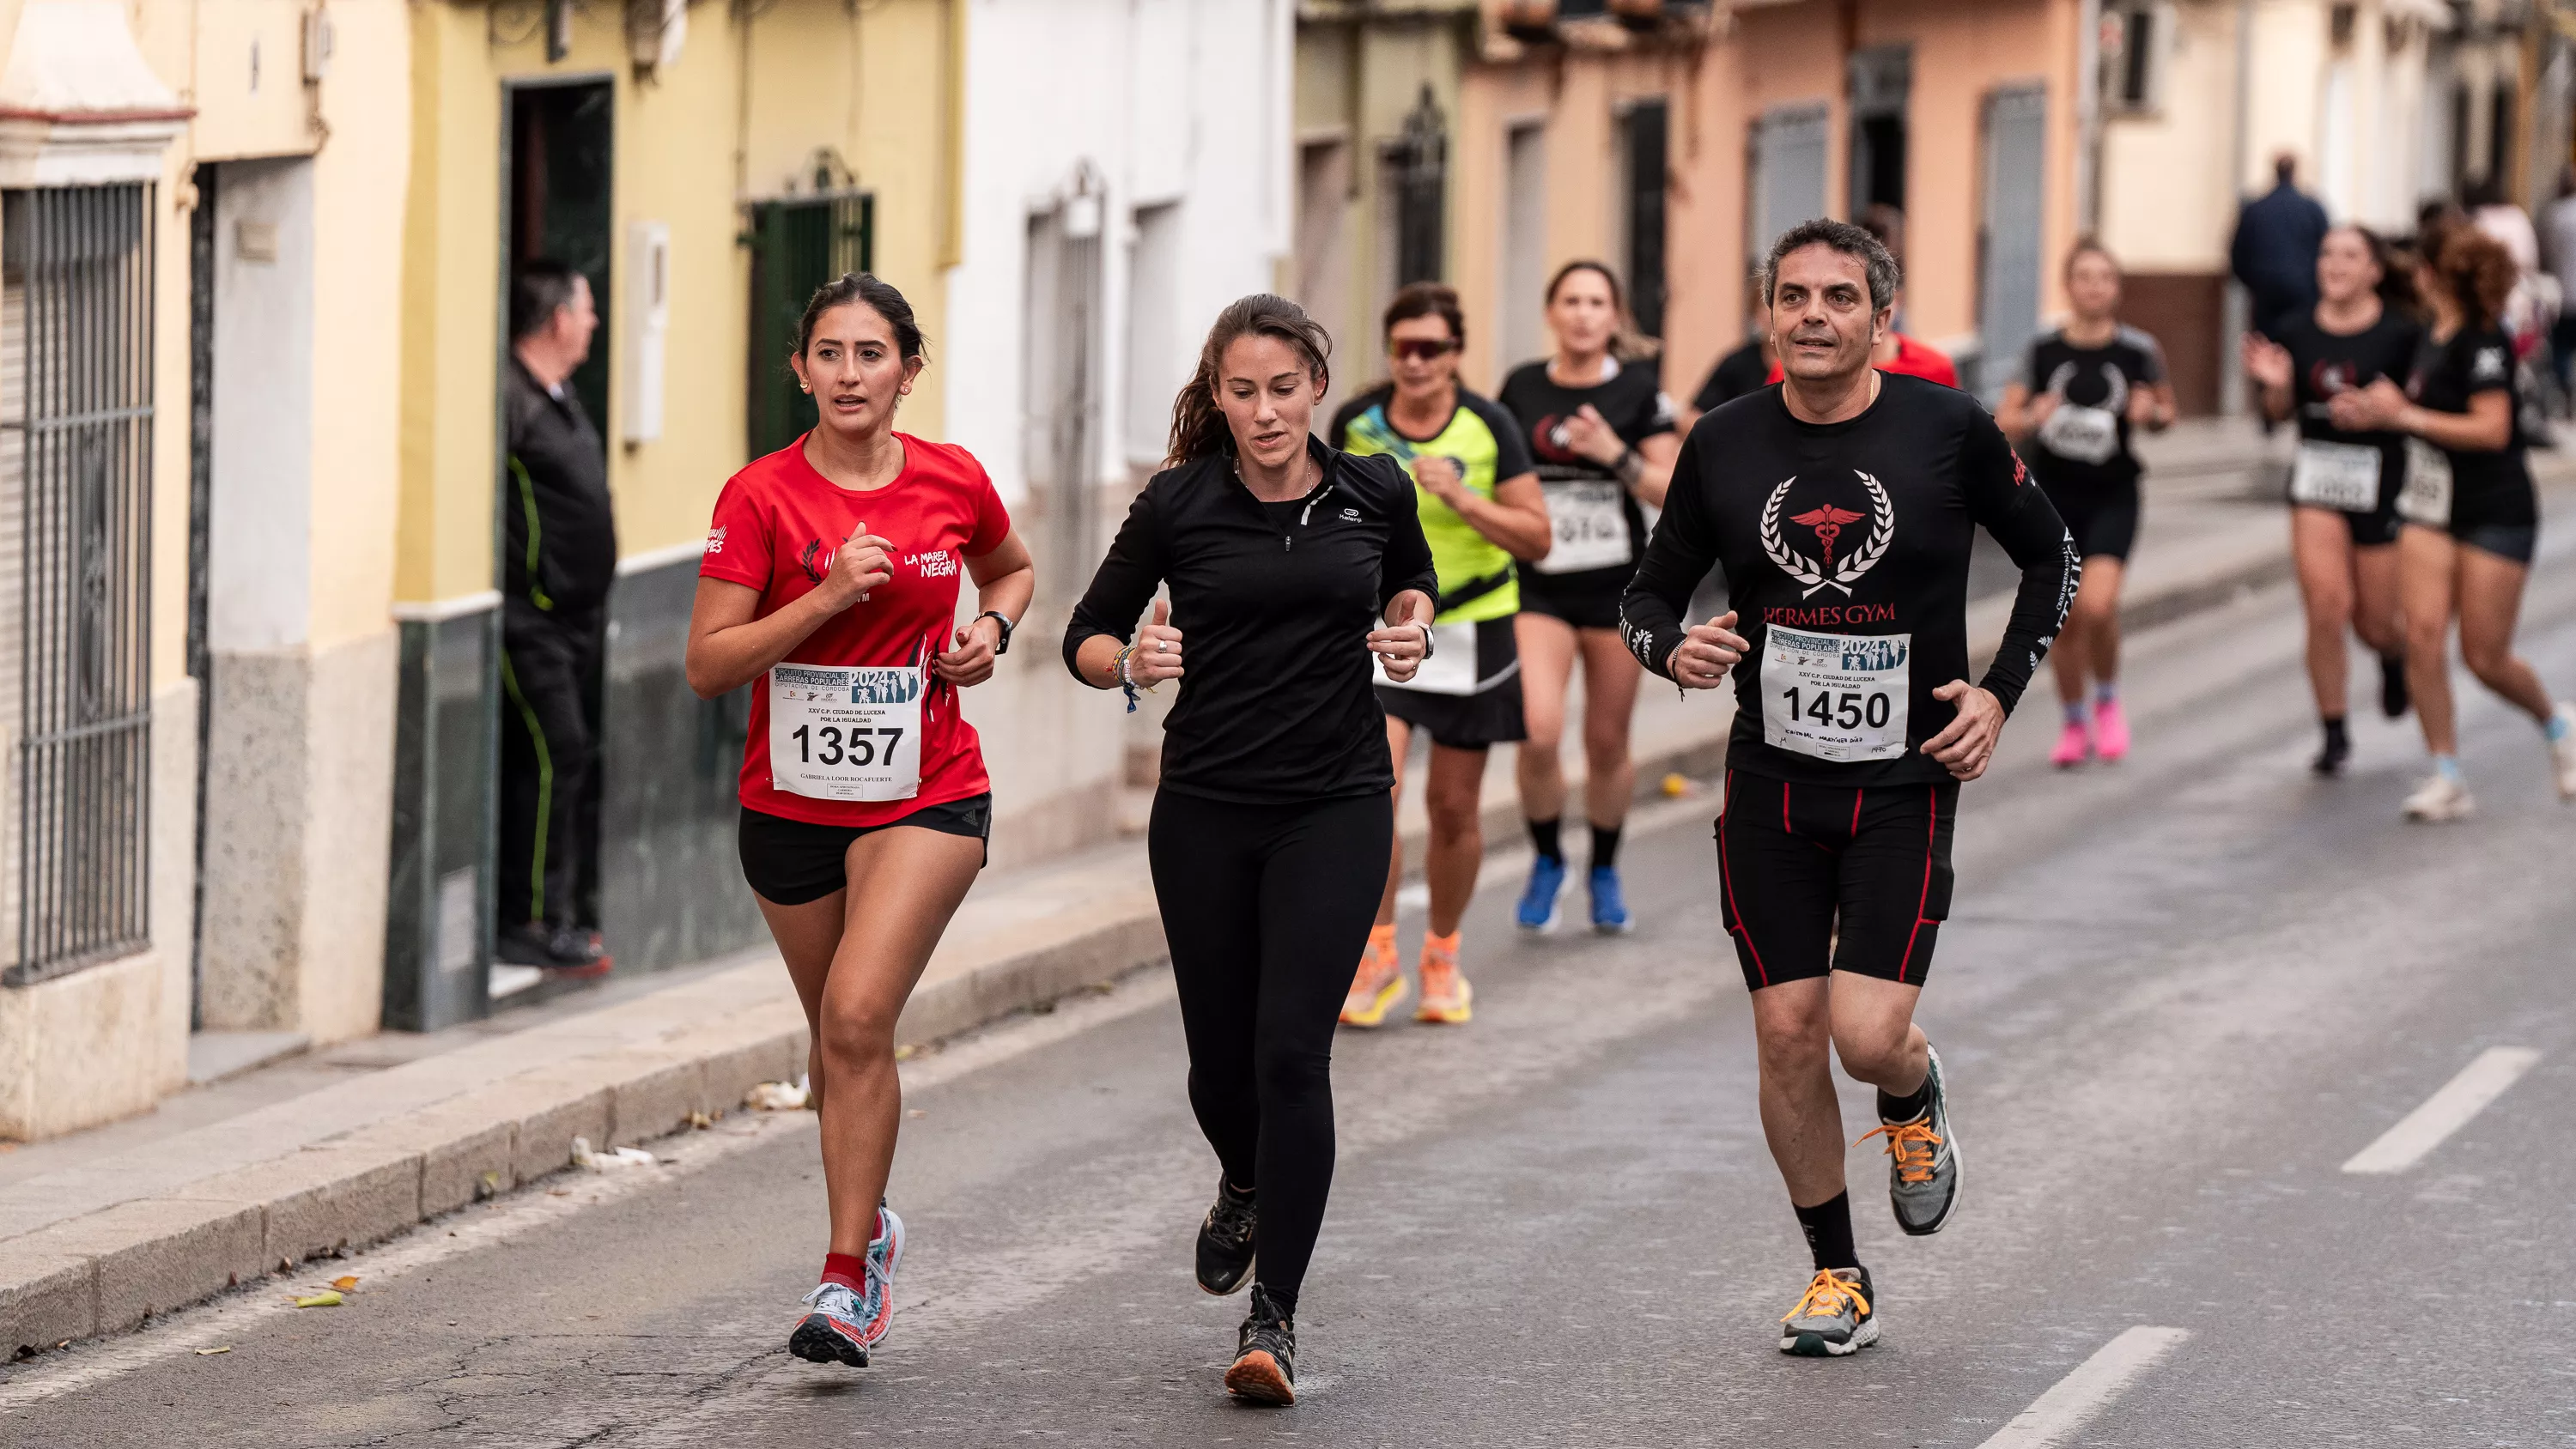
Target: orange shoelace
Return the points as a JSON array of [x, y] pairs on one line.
[[1825, 1297], [1911, 1144]]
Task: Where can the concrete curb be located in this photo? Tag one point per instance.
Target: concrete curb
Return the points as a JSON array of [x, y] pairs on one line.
[[108, 1271]]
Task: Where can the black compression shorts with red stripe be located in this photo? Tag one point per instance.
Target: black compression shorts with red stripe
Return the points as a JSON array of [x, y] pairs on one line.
[[1796, 860]]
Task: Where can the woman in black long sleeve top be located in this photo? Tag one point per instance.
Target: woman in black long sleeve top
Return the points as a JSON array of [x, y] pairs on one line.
[[1289, 564]]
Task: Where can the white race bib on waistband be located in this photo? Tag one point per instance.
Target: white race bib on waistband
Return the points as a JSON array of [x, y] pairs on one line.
[[1451, 669], [1838, 697], [2336, 475], [1590, 517], [2426, 498], [845, 733]]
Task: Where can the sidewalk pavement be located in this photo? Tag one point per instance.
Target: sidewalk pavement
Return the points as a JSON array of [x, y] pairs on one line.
[[343, 1148]]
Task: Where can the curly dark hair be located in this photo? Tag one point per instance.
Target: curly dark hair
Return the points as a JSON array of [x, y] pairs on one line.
[[2473, 269]]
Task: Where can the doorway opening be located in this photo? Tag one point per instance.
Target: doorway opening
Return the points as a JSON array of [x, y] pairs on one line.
[[1882, 81]]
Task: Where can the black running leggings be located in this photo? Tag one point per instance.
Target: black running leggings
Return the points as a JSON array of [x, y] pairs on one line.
[[1267, 909]]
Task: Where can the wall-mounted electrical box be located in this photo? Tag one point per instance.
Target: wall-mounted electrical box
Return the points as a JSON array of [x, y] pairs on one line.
[[647, 286]]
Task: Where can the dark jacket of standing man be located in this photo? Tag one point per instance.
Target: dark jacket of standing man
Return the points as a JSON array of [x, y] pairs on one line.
[[559, 556], [2275, 250]]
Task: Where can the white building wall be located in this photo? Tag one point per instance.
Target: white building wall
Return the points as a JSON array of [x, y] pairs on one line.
[[1170, 101], [1176, 108]]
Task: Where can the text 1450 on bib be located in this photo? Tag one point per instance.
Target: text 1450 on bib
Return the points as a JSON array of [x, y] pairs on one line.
[[1838, 697], [845, 734]]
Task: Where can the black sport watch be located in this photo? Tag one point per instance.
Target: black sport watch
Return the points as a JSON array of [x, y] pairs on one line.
[[1003, 645]]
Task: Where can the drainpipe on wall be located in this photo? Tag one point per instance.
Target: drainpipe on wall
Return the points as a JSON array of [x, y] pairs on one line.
[[2234, 310], [2088, 117]]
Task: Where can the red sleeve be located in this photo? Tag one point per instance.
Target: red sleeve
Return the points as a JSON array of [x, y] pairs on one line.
[[1931, 363], [738, 543], [992, 520]]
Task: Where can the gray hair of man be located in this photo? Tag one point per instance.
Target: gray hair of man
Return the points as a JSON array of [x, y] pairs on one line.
[[1851, 241]]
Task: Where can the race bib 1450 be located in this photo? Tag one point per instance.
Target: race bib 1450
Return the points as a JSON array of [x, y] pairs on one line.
[[1838, 697]]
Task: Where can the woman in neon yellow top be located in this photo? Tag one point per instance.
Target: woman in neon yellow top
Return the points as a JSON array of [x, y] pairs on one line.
[[1481, 510]]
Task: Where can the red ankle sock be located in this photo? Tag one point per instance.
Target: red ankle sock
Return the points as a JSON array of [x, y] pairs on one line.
[[847, 1269]]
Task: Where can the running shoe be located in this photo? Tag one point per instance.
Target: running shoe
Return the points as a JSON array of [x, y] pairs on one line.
[[2074, 745], [2441, 798], [1265, 1355], [564, 953], [831, 1333], [1923, 1171], [1833, 1316], [1537, 910], [1609, 902], [2331, 755], [1226, 1239], [2562, 750], [2394, 700], [1376, 989], [885, 1253], [2110, 732], [1447, 999]]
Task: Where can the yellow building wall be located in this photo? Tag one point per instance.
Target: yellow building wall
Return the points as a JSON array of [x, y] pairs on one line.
[[740, 116]]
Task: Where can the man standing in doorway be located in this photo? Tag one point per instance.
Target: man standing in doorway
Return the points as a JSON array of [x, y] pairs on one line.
[[559, 555], [2274, 253]]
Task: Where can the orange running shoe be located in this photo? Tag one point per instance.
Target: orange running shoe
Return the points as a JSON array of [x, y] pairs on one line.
[[1379, 983], [1447, 999]]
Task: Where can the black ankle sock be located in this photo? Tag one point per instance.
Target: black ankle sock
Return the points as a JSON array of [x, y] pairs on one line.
[[1284, 1299], [2335, 734], [1907, 1108], [1543, 839], [1605, 845], [1829, 1235]]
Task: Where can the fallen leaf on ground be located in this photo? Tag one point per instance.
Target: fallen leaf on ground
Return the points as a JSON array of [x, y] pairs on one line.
[[323, 1299], [345, 1282], [211, 1352]]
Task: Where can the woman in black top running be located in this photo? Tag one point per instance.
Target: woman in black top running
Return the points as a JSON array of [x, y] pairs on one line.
[[1290, 564], [2087, 388], [2472, 519], [2343, 489], [1598, 423]]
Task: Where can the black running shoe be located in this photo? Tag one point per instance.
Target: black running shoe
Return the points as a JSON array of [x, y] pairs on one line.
[[2331, 755], [2393, 698], [1226, 1240], [1265, 1355]]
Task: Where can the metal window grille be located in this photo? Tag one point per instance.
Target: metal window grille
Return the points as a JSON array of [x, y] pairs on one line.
[[1646, 133], [1418, 168], [797, 245], [75, 529]]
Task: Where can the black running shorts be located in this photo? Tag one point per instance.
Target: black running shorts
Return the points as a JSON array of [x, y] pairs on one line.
[[2102, 521], [1796, 863], [791, 862]]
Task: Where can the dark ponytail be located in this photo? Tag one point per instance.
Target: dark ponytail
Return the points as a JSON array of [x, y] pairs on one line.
[[1198, 425], [878, 296]]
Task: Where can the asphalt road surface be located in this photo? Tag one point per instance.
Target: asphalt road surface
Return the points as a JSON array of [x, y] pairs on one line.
[[2177, 997]]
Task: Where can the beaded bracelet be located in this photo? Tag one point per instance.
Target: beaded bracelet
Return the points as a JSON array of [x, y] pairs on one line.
[[1118, 671]]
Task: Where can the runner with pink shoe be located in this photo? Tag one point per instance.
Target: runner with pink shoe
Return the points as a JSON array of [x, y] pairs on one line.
[[2087, 389]]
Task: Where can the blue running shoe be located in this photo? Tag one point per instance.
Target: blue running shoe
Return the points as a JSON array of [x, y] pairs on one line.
[[1537, 910], [1609, 903]]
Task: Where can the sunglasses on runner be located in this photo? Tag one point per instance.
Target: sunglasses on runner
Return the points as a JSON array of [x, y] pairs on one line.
[[1420, 349]]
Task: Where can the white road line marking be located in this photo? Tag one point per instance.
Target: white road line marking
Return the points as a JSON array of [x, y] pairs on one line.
[[2445, 1112], [2075, 1399]]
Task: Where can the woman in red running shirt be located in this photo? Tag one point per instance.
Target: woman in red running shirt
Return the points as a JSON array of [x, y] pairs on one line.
[[830, 585]]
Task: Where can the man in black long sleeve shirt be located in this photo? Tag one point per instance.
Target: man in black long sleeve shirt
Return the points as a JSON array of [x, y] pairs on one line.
[[1841, 506], [559, 556]]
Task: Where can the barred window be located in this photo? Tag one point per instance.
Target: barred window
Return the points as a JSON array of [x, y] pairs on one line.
[[75, 574], [797, 245]]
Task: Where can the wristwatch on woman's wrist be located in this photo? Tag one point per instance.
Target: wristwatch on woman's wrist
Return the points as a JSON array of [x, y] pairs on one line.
[[1001, 646], [1631, 463]]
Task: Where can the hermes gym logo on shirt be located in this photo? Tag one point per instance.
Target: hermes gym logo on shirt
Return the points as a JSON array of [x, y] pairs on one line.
[[1826, 521]]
